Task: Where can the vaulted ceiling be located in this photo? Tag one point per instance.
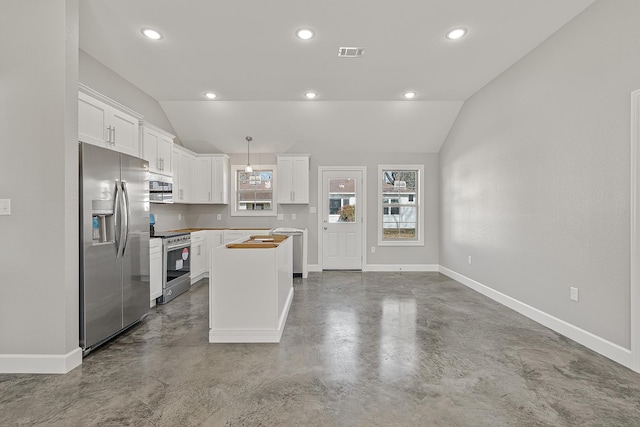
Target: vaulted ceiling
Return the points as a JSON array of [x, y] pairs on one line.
[[247, 52]]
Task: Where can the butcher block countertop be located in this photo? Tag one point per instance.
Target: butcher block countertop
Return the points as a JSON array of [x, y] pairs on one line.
[[193, 230], [258, 242]]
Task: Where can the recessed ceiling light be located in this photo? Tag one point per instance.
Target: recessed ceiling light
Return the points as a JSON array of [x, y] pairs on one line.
[[310, 95], [305, 34], [151, 34], [409, 95], [456, 33], [210, 95]]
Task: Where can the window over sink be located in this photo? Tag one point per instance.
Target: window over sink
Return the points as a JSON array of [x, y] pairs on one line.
[[253, 193]]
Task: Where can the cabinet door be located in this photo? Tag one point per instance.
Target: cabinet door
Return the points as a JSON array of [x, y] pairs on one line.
[[185, 177], [150, 150], [220, 180], [175, 161], [165, 145], [125, 133], [202, 185], [300, 181], [92, 120], [196, 257], [155, 275], [285, 177]]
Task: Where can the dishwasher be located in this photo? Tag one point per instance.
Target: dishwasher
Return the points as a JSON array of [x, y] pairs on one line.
[[297, 234]]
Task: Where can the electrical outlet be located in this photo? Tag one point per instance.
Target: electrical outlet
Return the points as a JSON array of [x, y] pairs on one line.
[[5, 206], [373, 249], [219, 217], [179, 217], [280, 217], [469, 260], [312, 209], [574, 294], [293, 216]]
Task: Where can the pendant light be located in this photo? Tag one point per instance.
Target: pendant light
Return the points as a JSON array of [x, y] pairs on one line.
[[248, 168]]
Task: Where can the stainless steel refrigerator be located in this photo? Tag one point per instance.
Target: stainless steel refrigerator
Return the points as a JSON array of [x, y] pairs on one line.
[[114, 243]]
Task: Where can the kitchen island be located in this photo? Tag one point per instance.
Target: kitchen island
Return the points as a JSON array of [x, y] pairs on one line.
[[250, 290]]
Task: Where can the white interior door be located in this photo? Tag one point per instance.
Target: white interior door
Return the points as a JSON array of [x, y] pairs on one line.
[[342, 219]]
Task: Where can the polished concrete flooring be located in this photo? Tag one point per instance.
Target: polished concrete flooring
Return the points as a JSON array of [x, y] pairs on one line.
[[359, 349]]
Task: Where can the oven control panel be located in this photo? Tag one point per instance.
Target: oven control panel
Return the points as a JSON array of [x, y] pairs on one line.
[[177, 239]]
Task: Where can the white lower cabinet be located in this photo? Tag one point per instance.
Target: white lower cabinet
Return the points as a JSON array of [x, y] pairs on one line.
[[198, 256], [155, 270], [213, 239]]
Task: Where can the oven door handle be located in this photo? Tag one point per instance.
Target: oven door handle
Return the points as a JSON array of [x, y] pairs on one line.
[[178, 246]]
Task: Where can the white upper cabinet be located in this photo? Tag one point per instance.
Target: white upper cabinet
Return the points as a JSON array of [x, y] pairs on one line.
[[184, 164], [220, 179], [211, 181], [202, 185], [105, 123], [157, 146], [293, 180]]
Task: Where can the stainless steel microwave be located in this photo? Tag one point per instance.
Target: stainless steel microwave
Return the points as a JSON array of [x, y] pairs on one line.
[[160, 188]]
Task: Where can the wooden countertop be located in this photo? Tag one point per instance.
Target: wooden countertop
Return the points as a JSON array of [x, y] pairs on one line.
[[192, 230], [258, 242]]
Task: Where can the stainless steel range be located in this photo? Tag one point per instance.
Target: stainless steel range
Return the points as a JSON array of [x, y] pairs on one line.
[[176, 261]]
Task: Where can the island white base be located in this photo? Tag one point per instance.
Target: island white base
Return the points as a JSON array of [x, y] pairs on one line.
[[246, 335], [250, 293]]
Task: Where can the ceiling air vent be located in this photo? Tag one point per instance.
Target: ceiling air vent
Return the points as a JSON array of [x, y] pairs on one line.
[[350, 52]]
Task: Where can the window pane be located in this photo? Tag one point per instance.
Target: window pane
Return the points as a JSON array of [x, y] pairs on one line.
[[400, 201], [400, 223], [342, 200], [255, 190]]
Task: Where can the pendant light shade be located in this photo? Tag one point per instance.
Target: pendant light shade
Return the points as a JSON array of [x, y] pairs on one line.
[[248, 168]]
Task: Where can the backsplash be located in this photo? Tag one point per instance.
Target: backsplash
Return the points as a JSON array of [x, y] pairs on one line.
[[169, 216]]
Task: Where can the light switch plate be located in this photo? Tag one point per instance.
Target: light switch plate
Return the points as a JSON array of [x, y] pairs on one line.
[[312, 209], [293, 216], [5, 206], [280, 217], [219, 217]]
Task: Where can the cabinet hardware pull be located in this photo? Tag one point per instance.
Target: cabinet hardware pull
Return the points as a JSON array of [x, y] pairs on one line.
[[114, 136]]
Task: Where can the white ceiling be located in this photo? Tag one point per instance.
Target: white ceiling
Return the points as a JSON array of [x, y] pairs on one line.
[[246, 51]]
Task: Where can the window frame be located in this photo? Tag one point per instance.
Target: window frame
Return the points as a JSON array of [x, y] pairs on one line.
[[419, 204], [234, 194]]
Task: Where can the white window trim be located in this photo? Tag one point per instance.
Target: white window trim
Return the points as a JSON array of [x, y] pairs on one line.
[[419, 206], [234, 193]]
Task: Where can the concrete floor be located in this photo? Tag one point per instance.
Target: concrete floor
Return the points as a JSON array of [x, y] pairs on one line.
[[359, 349]]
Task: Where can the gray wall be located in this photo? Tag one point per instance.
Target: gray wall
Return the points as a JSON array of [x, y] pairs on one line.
[[536, 179], [39, 173]]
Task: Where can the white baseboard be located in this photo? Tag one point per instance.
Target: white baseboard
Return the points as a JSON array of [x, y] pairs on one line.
[[200, 276], [400, 267], [40, 363], [257, 335], [388, 267], [606, 348]]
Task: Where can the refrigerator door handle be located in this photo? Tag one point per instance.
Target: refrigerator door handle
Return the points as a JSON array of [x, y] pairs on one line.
[[117, 219], [126, 213]]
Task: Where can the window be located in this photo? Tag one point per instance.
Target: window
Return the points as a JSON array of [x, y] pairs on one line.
[[400, 197], [253, 191]]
